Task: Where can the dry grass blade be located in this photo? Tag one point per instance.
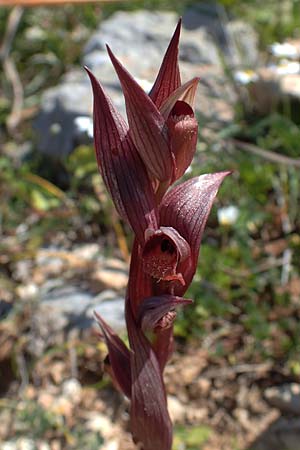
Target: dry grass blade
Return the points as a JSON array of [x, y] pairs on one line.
[[266, 154]]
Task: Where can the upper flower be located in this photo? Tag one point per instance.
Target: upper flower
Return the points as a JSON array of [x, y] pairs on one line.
[[139, 162]]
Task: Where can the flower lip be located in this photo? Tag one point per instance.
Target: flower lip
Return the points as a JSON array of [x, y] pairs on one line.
[[186, 93], [164, 250], [181, 109]]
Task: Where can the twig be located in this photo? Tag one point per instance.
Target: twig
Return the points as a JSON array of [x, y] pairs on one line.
[[10, 70], [265, 266], [266, 154], [286, 228], [21, 363], [10, 32], [226, 372], [286, 266], [73, 362]]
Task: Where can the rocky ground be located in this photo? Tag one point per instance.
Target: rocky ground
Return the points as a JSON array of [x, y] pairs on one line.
[[59, 396], [54, 392]]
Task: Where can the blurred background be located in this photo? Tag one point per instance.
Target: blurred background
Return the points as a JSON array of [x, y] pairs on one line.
[[234, 380]]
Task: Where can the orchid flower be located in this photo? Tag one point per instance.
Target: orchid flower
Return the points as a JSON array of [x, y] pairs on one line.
[[139, 163]]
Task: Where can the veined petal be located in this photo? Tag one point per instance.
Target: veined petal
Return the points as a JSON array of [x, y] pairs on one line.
[[119, 357], [139, 282], [185, 93], [120, 165], [147, 126], [165, 249], [186, 208], [158, 313], [168, 78], [150, 421], [183, 131]]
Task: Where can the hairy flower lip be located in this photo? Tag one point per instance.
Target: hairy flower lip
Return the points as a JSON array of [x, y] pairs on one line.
[[163, 252]]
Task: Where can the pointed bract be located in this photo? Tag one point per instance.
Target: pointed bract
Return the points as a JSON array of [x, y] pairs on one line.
[[119, 356], [168, 78], [186, 208], [147, 126], [150, 422], [120, 165]]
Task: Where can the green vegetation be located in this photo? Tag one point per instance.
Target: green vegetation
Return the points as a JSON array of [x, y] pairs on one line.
[[191, 438]]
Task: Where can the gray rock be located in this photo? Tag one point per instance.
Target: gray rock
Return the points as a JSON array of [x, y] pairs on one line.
[[283, 434], [198, 47], [64, 307], [236, 39], [243, 44], [207, 14], [55, 123], [134, 36], [5, 308], [285, 397]]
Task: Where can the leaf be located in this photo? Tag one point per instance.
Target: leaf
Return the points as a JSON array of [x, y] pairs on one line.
[[119, 356]]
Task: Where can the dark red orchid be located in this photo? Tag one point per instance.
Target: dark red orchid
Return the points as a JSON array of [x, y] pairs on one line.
[[139, 162]]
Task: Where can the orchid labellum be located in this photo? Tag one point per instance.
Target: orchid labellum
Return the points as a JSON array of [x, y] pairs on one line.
[[139, 163]]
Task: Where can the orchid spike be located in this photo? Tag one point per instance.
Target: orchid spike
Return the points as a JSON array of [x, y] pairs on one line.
[[139, 162]]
